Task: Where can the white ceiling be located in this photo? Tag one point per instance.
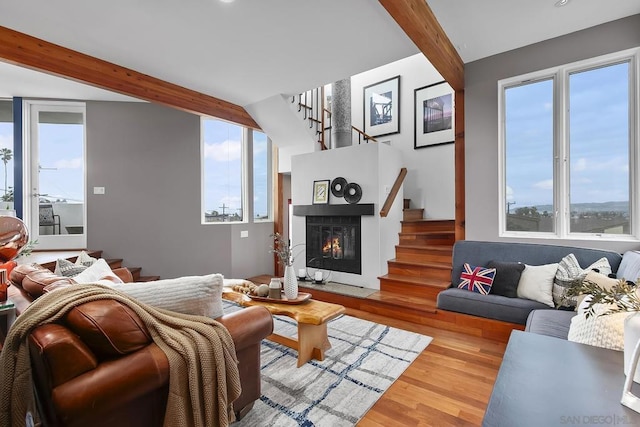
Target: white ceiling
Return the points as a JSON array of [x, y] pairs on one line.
[[483, 28], [250, 50]]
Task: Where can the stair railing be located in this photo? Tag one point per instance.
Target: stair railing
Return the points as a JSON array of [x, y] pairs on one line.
[[393, 193], [311, 105]]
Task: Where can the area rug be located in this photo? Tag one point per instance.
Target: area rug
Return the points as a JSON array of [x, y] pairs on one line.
[[365, 359]]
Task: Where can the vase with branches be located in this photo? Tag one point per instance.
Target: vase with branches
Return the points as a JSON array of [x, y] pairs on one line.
[[284, 251]]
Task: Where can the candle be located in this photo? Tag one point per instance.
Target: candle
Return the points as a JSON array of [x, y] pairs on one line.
[[318, 276], [302, 273]]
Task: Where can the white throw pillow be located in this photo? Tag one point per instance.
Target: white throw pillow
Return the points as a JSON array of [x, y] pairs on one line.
[[99, 272], [536, 283], [600, 331], [198, 295]]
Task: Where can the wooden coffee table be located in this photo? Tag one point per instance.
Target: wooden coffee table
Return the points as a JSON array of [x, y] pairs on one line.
[[312, 317]]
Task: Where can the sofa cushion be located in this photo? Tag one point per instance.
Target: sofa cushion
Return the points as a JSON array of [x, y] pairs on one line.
[[536, 283], [630, 266], [197, 295], [35, 282], [599, 330], [476, 279], [480, 253], [514, 310], [570, 274], [554, 323], [507, 277], [108, 328]]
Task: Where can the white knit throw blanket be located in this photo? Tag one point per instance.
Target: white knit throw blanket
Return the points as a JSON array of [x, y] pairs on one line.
[[201, 353]]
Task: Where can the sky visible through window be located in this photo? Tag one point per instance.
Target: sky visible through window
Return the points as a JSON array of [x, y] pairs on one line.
[[599, 139], [222, 171], [61, 161], [260, 176]]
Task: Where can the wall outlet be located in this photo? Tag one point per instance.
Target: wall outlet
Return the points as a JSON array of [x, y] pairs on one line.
[[244, 233], [98, 190]]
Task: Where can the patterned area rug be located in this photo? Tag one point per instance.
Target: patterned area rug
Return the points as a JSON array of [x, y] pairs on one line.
[[365, 359]]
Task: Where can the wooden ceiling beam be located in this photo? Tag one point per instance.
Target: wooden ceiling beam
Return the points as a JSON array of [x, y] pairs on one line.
[[30, 52], [420, 24]]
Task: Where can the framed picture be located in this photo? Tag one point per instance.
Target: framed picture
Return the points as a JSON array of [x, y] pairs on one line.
[[382, 107], [434, 115], [321, 192]]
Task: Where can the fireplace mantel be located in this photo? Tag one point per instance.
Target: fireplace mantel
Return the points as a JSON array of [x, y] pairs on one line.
[[360, 209]]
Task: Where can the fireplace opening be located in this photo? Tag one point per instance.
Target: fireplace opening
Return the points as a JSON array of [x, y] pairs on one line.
[[333, 243]]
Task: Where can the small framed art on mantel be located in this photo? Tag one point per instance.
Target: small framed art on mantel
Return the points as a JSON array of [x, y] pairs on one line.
[[434, 115], [382, 107], [321, 192]]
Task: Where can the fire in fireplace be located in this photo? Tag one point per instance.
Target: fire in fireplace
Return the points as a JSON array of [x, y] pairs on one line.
[[333, 243]]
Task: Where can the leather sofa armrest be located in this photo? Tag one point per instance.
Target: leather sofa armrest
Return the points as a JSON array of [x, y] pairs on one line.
[[248, 326], [112, 385], [124, 274]]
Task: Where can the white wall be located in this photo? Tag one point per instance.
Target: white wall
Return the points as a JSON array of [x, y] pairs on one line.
[[430, 182], [374, 167]]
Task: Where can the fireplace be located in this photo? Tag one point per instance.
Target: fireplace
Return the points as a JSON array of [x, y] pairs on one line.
[[333, 243]]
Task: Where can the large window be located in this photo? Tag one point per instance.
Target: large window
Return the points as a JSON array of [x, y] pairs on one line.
[[569, 152], [229, 153]]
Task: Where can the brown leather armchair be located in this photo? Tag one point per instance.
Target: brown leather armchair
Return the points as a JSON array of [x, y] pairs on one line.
[[99, 367]]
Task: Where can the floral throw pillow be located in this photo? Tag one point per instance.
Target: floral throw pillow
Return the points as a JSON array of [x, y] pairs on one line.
[[477, 279]]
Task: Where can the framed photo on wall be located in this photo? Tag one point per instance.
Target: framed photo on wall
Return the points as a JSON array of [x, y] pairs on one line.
[[382, 107], [434, 115], [321, 192]]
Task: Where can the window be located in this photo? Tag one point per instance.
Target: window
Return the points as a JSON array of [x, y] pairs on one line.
[[568, 150], [226, 162], [6, 153], [261, 176]]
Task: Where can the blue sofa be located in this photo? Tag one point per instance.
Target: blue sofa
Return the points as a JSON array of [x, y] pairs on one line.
[[514, 310]]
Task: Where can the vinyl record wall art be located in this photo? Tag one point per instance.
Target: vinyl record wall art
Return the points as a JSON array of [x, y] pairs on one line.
[[352, 193]]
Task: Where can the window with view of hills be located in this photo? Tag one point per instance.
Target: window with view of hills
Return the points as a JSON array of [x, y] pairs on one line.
[[566, 140]]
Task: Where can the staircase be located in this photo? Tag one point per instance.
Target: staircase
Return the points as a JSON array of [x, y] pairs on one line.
[[422, 266], [311, 108]]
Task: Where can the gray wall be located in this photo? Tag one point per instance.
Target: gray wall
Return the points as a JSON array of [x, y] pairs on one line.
[[148, 159], [481, 117]]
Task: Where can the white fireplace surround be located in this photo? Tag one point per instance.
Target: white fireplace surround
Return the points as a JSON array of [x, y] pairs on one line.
[[375, 168]]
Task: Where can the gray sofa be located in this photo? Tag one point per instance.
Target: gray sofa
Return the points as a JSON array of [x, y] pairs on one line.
[[514, 310]]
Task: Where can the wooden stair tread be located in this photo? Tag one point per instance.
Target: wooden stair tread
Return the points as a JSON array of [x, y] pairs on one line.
[[394, 298], [148, 278], [441, 248], [418, 281], [425, 233], [433, 221], [438, 265]]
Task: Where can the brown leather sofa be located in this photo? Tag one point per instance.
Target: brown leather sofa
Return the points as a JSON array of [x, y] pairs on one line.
[[98, 366]]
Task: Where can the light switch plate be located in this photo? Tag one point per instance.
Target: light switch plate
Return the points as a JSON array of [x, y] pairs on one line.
[[98, 190], [244, 233]]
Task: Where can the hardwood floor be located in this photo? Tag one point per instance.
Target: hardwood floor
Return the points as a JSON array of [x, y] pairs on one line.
[[449, 384]]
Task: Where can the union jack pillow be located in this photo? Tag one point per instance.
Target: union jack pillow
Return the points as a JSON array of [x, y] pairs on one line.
[[477, 279]]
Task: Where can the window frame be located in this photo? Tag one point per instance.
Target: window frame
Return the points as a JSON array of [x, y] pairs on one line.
[[561, 146]]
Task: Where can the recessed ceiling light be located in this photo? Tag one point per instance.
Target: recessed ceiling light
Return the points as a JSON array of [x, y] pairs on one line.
[[227, 1], [561, 3]]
